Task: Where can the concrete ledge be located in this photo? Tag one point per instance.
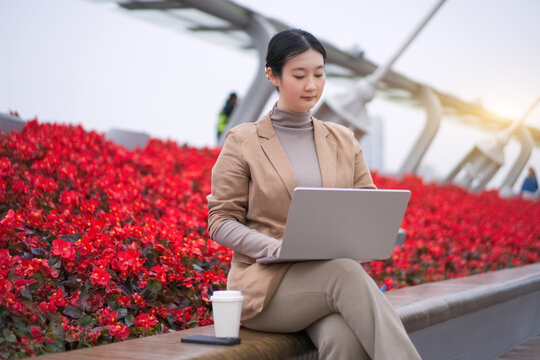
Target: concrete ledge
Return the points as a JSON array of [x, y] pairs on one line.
[[428, 312], [128, 138], [477, 317], [9, 123], [440, 317]]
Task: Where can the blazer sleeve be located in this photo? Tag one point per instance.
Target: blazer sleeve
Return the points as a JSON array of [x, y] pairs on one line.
[[362, 176], [228, 203], [230, 185]]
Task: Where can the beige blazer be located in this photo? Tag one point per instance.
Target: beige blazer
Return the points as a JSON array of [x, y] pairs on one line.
[[253, 182]]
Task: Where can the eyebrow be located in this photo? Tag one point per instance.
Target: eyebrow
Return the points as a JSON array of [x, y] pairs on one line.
[[301, 68]]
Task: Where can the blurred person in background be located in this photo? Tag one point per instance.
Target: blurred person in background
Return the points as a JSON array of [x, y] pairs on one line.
[[530, 184], [225, 114]]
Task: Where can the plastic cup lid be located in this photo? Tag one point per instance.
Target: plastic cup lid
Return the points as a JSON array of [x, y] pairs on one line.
[[227, 295]]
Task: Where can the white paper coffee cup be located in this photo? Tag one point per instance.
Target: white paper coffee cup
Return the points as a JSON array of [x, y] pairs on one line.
[[227, 308]]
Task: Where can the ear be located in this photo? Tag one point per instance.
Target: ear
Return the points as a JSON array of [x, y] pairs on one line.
[[271, 77]]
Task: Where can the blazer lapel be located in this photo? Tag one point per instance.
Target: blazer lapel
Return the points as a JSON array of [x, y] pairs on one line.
[[275, 153], [326, 153]]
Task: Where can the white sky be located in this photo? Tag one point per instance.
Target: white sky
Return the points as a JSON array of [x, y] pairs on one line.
[[83, 62]]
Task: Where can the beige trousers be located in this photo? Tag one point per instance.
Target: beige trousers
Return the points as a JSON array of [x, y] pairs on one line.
[[341, 308]]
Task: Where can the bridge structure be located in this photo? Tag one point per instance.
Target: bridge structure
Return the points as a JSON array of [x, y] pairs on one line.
[[228, 23], [233, 25]]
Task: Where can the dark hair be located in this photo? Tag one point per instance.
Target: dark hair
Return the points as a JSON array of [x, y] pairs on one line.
[[287, 44]]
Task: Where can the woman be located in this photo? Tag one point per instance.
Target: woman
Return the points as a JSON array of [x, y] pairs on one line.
[[261, 163]]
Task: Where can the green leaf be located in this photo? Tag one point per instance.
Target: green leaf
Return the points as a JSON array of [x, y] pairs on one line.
[[150, 254], [111, 303], [55, 317], [56, 346], [86, 291], [72, 312], [128, 287], [71, 237], [10, 336], [4, 312], [38, 275], [153, 286], [20, 327], [35, 285], [122, 312], [86, 321], [198, 268], [55, 262], [71, 283], [39, 252], [26, 294], [129, 320]]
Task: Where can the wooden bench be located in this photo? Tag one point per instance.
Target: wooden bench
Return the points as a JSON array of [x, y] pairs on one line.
[[442, 319]]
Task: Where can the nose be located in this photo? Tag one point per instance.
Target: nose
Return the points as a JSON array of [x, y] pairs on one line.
[[310, 84]]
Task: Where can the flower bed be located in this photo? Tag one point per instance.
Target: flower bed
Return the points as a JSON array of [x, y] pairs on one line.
[[453, 233], [99, 244]]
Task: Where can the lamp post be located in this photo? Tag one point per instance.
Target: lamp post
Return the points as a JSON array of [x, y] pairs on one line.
[[350, 109], [486, 158]]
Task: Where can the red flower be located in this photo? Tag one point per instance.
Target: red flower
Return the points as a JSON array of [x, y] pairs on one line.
[[47, 307], [84, 247], [124, 301], [160, 272], [65, 323], [145, 321], [58, 298], [63, 249], [107, 317], [93, 336], [5, 286], [138, 300], [119, 331], [128, 261], [100, 277], [35, 332], [70, 198], [6, 168]]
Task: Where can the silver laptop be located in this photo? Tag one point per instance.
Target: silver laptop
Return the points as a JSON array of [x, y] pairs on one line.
[[331, 223]]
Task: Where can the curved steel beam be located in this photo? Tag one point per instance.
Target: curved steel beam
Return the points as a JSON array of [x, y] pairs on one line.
[[431, 127], [239, 17], [525, 139]]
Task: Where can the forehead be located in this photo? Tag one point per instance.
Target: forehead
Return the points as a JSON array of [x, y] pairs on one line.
[[308, 60]]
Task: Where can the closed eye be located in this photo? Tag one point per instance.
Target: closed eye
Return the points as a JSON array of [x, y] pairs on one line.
[[301, 77]]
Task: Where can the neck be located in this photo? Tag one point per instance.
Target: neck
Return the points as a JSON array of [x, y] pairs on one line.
[[280, 106], [291, 119]]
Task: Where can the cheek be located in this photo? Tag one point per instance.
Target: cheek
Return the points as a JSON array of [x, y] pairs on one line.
[[291, 87]]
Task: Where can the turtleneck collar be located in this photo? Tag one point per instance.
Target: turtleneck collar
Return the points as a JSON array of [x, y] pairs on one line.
[[290, 119]]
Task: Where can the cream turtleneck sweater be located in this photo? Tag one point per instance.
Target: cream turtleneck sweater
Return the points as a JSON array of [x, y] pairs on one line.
[[295, 133]]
